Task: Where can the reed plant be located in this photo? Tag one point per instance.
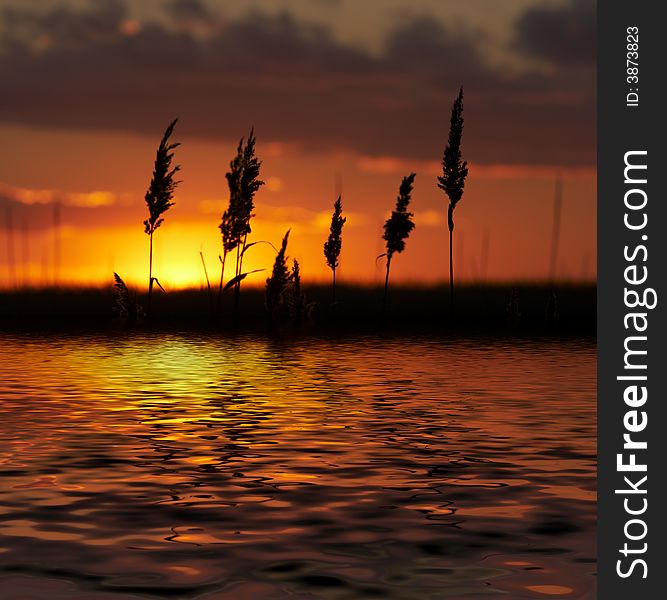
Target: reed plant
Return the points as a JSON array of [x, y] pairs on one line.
[[159, 196], [299, 307], [334, 243], [127, 306], [397, 228], [278, 282], [208, 281], [228, 245], [452, 180], [243, 182]]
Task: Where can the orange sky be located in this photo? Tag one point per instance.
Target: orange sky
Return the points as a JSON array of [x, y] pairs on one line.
[[95, 161]]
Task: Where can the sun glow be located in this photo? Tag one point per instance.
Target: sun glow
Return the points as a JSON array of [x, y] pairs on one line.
[[68, 237]]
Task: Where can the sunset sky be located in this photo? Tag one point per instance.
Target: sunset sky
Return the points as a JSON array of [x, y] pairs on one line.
[[343, 95]]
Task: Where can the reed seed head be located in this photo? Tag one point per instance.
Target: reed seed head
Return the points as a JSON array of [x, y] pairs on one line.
[[398, 227], [161, 189], [334, 243], [454, 170]]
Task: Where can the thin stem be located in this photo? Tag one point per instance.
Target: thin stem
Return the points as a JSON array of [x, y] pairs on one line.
[[386, 287], [451, 271], [222, 275], [208, 283], [150, 274], [236, 287], [450, 225], [243, 248], [334, 286]]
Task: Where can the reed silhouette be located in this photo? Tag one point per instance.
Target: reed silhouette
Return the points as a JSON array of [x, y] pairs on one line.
[[159, 196], [299, 308], [278, 282], [233, 282], [127, 306], [397, 228], [243, 181], [512, 309], [452, 180], [208, 281], [228, 244], [551, 312], [334, 243]]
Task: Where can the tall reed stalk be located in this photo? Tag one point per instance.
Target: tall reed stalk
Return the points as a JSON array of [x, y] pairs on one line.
[[228, 243], [299, 307], [277, 283], [396, 229], [334, 243], [159, 196], [452, 180], [208, 282], [243, 181]]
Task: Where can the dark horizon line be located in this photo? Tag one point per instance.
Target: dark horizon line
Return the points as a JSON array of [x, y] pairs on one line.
[[259, 287]]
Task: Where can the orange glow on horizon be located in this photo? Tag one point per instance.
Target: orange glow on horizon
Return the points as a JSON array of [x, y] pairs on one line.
[[502, 232]]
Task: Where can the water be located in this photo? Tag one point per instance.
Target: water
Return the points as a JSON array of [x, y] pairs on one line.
[[184, 466]]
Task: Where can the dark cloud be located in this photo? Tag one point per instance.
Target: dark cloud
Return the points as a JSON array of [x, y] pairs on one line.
[[61, 26], [295, 83], [194, 10], [564, 35]]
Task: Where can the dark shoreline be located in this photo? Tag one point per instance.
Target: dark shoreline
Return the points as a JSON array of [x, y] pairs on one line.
[[479, 310]]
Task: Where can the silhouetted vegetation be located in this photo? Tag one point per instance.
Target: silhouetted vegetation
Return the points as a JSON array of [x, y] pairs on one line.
[[277, 284], [159, 195], [243, 181], [284, 296], [454, 173], [208, 281], [334, 243], [551, 311], [480, 309], [235, 280], [397, 228], [299, 308], [228, 244], [127, 306], [513, 308]]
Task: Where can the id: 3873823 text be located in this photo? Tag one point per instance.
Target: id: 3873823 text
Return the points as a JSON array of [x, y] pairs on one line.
[[632, 66]]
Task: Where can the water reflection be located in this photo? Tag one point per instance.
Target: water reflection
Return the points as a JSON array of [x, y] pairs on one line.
[[192, 466]]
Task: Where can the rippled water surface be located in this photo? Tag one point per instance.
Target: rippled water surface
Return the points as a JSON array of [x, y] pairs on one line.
[[181, 466]]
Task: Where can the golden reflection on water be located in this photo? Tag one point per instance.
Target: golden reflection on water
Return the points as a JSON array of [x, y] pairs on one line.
[[348, 469], [550, 590]]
